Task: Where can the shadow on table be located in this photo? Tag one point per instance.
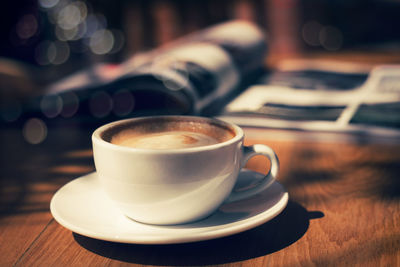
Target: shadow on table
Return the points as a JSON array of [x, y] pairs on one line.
[[281, 232]]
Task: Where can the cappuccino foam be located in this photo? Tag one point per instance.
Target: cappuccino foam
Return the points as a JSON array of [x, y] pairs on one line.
[[168, 133], [165, 140]]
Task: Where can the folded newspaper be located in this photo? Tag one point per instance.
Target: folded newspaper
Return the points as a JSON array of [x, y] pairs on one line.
[[327, 97], [192, 75]]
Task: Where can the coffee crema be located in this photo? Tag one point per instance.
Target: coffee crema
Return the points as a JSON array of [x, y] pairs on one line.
[[168, 133], [164, 140]]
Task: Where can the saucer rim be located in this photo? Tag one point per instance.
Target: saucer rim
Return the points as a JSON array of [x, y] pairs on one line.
[[231, 228]]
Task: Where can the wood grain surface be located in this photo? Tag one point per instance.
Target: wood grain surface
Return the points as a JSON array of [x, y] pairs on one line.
[[344, 209]]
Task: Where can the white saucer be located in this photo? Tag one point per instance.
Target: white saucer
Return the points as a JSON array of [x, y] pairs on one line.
[[82, 207]]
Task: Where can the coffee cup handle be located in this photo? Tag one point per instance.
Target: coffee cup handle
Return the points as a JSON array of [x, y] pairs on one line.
[[249, 152]]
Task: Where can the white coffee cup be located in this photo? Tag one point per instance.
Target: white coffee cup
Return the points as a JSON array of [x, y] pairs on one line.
[[175, 185]]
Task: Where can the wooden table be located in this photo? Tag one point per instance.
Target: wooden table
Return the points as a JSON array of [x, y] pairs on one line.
[[344, 208]]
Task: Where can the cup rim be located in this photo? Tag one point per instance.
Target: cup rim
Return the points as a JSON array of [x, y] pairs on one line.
[[96, 136]]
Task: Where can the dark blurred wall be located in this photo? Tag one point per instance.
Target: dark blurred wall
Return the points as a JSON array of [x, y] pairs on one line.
[[360, 23], [293, 25], [11, 46]]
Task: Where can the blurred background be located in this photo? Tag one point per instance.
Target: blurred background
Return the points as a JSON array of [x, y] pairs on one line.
[[67, 35], [46, 40]]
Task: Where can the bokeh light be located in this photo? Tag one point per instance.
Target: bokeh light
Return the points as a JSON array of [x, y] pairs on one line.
[[72, 15], [48, 52], [101, 42], [80, 31], [70, 104], [316, 34], [58, 52], [34, 131], [331, 38], [27, 26], [94, 22], [124, 102], [51, 105], [75, 21], [310, 33], [65, 35], [48, 3], [119, 41], [100, 104]]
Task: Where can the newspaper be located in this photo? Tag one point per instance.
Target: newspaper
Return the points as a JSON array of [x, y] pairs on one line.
[[328, 97], [188, 76]]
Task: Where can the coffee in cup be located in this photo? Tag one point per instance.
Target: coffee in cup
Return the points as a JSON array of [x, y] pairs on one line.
[[168, 133], [174, 169]]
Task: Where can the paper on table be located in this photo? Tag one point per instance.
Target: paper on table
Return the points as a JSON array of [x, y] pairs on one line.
[[363, 102]]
